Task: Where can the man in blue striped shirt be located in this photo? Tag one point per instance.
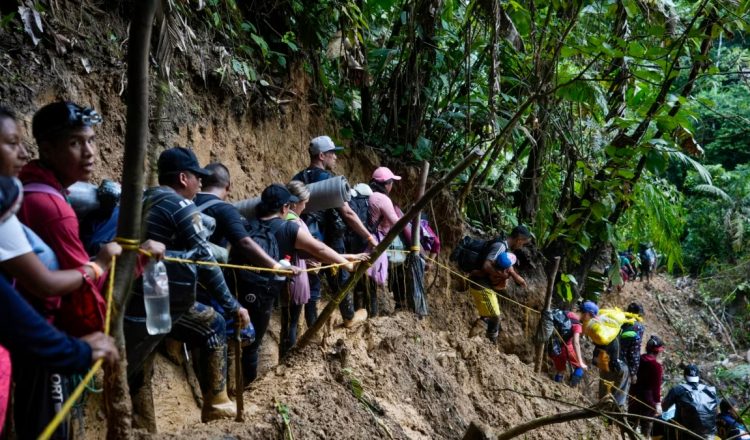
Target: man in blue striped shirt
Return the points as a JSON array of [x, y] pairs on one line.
[[175, 219]]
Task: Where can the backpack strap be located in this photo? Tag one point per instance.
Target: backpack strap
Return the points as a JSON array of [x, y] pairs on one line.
[[38, 187]]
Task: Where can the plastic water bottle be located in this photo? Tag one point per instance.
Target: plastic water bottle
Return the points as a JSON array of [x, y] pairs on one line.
[[286, 264], [156, 298]]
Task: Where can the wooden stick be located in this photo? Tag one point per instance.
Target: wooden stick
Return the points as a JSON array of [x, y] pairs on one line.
[[117, 396], [382, 246], [239, 385], [415, 229], [539, 358]]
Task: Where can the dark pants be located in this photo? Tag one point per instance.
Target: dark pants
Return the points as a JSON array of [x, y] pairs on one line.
[[366, 295], [398, 285], [200, 327], [260, 309], [335, 282], [38, 396], [311, 308], [290, 314]]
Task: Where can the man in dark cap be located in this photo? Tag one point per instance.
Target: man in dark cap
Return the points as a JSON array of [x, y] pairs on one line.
[[329, 226], [696, 404], [173, 219]]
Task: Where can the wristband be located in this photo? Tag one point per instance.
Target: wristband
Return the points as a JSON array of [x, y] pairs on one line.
[[84, 275], [96, 268]]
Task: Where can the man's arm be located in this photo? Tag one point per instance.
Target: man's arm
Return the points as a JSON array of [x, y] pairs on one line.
[[191, 231], [306, 242], [27, 334], [577, 349]]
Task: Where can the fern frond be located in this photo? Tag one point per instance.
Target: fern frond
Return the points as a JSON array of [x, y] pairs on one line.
[[713, 191]]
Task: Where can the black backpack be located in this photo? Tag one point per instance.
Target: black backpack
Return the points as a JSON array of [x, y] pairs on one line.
[[563, 325], [360, 204], [326, 225], [470, 253], [263, 233], [697, 409]]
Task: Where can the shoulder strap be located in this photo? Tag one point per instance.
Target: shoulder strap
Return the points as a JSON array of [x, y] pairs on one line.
[[203, 206], [43, 188]]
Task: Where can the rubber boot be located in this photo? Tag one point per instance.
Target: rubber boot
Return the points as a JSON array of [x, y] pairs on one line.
[[558, 377], [216, 403]]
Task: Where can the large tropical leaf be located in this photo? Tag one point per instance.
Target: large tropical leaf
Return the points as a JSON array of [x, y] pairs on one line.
[[713, 191]]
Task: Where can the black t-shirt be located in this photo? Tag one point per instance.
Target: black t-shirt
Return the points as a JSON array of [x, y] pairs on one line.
[[286, 235], [229, 221]]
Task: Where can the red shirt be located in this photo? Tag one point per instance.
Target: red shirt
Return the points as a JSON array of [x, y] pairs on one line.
[[56, 223], [647, 388]]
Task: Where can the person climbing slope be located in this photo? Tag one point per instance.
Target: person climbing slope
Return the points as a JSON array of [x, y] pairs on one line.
[[645, 392], [565, 346], [696, 404], [614, 377], [330, 226]]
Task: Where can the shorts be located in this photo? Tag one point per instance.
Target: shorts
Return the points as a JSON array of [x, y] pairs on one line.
[[486, 302]]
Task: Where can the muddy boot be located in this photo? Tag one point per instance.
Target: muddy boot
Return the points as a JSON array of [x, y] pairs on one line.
[[216, 403], [359, 317]]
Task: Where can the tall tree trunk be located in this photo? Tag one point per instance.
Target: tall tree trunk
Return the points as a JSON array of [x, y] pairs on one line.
[[117, 399]]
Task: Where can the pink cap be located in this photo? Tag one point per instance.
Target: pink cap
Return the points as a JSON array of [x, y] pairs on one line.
[[383, 174]]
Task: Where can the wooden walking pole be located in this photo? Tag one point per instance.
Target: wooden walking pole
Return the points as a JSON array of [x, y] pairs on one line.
[[539, 355], [382, 246], [415, 229], [239, 385]]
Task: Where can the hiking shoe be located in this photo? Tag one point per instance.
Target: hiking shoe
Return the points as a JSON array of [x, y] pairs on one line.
[[493, 337], [575, 380], [359, 317]]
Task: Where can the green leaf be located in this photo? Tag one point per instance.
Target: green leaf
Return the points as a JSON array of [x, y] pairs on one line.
[[261, 43]]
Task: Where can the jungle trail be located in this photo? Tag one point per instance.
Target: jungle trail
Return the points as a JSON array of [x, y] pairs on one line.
[[102, 282]]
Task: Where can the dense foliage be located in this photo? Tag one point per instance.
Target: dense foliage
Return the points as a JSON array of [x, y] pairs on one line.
[[592, 113]]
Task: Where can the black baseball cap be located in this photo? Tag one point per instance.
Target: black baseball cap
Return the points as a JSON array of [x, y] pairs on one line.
[[276, 196], [692, 373], [56, 118], [654, 344], [178, 159]]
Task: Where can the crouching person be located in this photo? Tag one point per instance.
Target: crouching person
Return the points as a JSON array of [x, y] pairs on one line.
[[173, 219]]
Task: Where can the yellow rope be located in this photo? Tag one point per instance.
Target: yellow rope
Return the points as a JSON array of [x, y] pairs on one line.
[[241, 266], [76, 394]]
